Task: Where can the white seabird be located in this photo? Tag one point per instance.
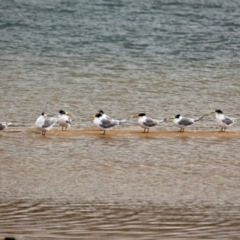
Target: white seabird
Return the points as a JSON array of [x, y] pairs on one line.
[[222, 120], [44, 124], [183, 122], [64, 120], [146, 122], [103, 123]]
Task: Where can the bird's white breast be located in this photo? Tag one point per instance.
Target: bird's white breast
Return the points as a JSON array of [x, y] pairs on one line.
[[62, 120], [141, 121], [39, 122], [176, 121], [219, 118]]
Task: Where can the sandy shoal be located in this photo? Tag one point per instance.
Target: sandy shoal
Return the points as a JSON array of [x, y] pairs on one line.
[[139, 133]]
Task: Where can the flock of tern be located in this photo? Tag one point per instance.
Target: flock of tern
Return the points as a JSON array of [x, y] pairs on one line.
[[104, 122]]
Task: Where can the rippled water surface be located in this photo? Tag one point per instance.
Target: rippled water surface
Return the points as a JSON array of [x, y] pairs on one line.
[[119, 188], [125, 57]]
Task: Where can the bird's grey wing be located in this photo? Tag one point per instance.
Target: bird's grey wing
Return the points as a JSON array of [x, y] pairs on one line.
[[185, 122], [227, 120], [105, 123], [150, 122], [47, 123]]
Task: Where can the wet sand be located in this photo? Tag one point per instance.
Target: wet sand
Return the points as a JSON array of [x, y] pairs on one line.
[[153, 133]]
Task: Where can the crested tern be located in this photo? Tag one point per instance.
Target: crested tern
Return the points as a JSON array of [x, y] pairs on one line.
[[4, 125], [45, 124], [64, 119], [222, 120], [146, 122], [103, 123], [183, 122]]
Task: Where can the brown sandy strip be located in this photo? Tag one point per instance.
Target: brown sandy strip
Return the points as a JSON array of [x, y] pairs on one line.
[[153, 133]]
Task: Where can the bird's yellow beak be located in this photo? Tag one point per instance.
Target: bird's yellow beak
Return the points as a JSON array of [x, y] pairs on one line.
[[91, 116], [211, 112], [69, 114], [171, 118], [134, 116]]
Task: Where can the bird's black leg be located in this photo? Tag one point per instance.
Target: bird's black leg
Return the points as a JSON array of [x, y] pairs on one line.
[[104, 132], [144, 130], [62, 128], [148, 130]]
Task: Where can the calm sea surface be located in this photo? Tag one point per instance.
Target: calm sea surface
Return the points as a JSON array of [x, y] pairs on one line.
[[125, 57]]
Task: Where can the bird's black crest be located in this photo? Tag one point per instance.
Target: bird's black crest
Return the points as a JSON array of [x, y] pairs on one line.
[[62, 112], [142, 114], [101, 111], [177, 116], [98, 115], [218, 111], [43, 113]]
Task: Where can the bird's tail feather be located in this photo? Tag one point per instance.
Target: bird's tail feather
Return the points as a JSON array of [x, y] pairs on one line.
[[161, 121], [123, 120], [200, 118], [235, 119]]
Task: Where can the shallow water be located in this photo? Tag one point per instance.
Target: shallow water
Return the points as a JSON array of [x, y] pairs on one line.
[[118, 187], [163, 58]]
